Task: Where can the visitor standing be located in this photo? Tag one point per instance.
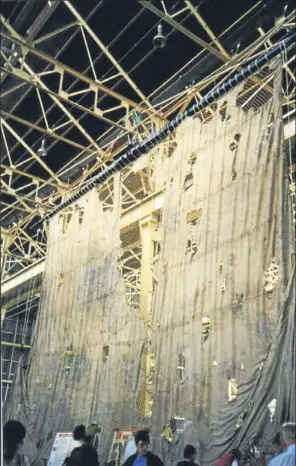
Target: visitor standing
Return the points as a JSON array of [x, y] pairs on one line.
[[13, 436], [190, 454], [85, 454], [288, 437], [79, 437], [143, 457]]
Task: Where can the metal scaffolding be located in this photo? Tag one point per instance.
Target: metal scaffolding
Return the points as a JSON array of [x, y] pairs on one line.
[[17, 330]]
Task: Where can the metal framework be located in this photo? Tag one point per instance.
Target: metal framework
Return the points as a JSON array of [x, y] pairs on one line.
[[66, 98]]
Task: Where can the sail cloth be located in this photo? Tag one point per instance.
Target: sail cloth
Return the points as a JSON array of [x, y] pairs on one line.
[[222, 315], [230, 269], [85, 364]]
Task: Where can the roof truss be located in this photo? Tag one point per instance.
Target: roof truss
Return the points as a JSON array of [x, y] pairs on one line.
[[27, 194]]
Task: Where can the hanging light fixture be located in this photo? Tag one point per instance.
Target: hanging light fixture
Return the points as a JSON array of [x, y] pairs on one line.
[[14, 50], [159, 41], [42, 151]]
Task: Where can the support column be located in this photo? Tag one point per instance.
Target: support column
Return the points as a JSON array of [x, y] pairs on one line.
[[117, 193], [4, 247], [3, 312], [148, 229], [149, 234]]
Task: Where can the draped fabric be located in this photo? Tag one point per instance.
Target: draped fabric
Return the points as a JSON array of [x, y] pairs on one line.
[[239, 198], [222, 308], [85, 362]]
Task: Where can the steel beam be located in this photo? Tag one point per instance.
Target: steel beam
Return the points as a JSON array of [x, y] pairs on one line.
[[194, 11], [29, 75], [61, 68], [20, 278], [54, 33], [173, 23], [110, 56], [148, 228], [142, 209], [229, 61], [15, 345], [38, 24], [37, 179], [31, 152], [49, 132]]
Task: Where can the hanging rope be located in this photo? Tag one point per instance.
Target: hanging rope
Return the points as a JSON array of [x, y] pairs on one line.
[[292, 184], [156, 138]]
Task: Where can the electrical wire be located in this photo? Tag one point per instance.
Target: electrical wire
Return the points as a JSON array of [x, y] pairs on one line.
[[11, 14]]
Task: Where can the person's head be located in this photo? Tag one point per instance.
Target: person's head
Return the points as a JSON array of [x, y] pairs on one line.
[[190, 453], [142, 440], [79, 433], [288, 434], [237, 454], [13, 436]]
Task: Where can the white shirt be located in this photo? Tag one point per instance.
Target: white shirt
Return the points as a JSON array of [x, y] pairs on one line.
[[234, 463], [130, 449]]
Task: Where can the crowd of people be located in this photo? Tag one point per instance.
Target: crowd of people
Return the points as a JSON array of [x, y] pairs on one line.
[[84, 454]]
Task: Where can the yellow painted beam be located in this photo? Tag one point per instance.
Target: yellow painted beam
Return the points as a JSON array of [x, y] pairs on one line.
[[14, 345], [148, 227]]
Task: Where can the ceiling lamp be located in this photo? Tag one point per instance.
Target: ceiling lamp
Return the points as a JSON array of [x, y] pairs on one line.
[[42, 151], [159, 41]]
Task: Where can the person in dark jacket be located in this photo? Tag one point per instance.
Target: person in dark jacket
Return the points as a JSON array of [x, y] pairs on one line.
[[13, 436], [143, 457], [190, 454], [85, 454]]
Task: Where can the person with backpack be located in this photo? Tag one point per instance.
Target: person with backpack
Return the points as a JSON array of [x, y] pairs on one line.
[[230, 459]]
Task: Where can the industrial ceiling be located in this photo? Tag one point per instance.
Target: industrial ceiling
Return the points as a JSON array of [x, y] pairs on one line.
[[72, 71]]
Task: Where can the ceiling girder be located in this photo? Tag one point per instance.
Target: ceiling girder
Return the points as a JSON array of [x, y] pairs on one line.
[[226, 58], [17, 233], [30, 151], [107, 52], [36, 179], [61, 68], [31, 76], [49, 132], [173, 23]]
